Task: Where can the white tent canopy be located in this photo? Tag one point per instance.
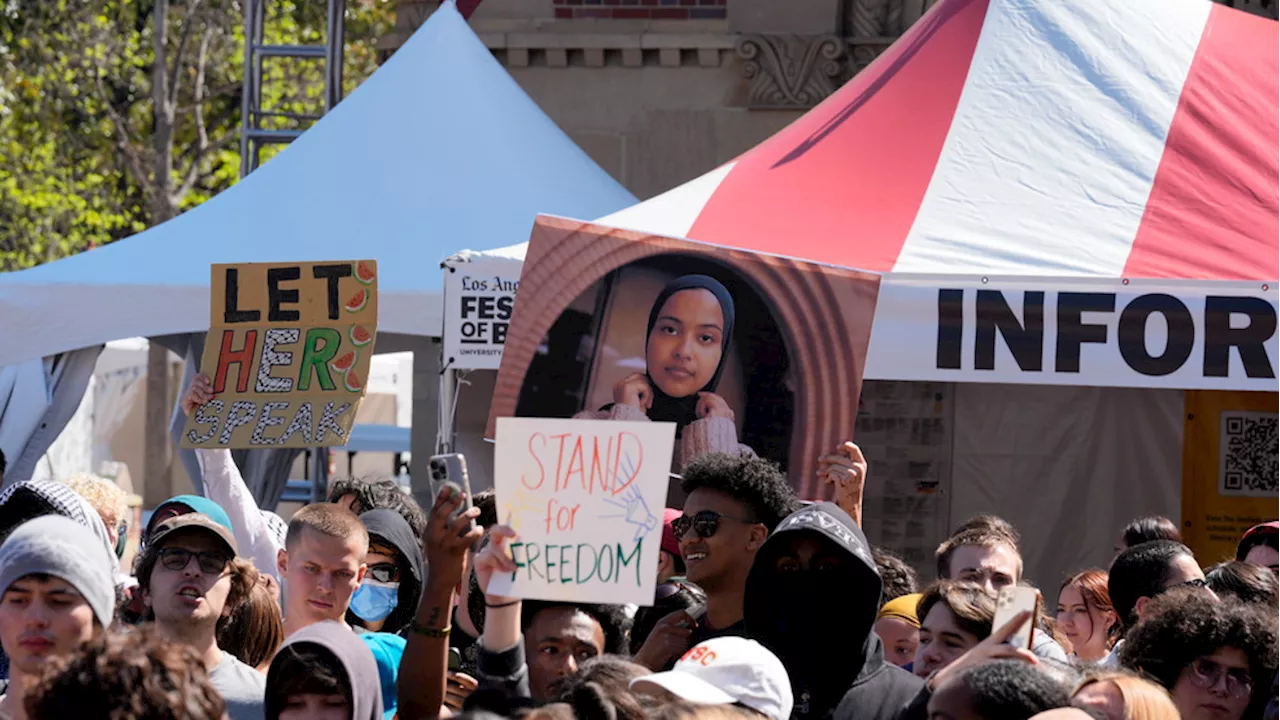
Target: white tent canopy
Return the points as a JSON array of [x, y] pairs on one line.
[[439, 149]]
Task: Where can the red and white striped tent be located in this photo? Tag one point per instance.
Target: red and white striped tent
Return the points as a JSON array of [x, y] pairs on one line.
[[1079, 162], [1035, 179]]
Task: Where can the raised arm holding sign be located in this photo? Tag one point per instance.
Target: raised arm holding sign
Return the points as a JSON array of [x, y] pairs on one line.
[[288, 350]]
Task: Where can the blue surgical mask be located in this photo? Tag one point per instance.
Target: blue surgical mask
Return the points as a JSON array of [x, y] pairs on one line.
[[373, 601]]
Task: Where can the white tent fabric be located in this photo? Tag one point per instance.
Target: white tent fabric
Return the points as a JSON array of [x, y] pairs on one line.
[[439, 149]]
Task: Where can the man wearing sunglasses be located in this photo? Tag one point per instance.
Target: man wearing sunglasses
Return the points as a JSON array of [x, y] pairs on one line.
[[190, 579], [1143, 572], [732, 504]]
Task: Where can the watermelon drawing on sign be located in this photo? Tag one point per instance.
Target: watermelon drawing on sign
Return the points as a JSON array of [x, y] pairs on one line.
[[351, 381], [358, 301], [359, 336], [364, 273], [345, 362]]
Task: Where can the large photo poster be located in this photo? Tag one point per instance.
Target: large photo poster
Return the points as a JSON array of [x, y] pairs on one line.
[[743, 352]]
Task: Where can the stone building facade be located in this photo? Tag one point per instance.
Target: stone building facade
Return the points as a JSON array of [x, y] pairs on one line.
[[661, 91]]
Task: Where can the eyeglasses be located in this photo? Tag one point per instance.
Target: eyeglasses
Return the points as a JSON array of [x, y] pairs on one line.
[[706, 523], [384, 572], [211, 563], [1205, 674]]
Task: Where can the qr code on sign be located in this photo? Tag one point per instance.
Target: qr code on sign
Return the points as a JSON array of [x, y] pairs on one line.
[[1247, 450]]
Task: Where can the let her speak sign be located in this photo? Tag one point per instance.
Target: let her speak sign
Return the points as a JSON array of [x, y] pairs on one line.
[[288, 351], [586, 497]]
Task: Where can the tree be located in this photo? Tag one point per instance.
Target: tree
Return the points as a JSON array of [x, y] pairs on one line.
[[117, 115]]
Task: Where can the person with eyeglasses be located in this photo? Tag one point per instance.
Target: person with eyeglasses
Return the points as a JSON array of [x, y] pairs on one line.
[[1215, 658], [732, 504], [190, 579], [1142, 572]]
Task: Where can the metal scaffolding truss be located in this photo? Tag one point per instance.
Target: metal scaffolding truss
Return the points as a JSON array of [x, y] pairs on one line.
[[254, 133]]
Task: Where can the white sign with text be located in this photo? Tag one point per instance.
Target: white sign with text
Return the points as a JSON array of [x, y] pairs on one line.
[[586, 497], [478, 299]]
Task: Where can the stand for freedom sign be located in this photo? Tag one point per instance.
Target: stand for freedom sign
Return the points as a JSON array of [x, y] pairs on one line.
[[288, 352], [586, 497]]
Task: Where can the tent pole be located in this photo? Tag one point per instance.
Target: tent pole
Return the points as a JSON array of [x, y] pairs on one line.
[[448, 391]]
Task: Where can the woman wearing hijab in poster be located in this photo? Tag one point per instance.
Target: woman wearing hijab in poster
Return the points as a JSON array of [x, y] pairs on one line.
[[690, 327]]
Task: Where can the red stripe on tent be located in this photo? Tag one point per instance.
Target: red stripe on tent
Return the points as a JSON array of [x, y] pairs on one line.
[[1212, 213], [843, 183]]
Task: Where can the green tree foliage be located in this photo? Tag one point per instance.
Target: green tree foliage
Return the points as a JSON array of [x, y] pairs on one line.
[[118, 114]]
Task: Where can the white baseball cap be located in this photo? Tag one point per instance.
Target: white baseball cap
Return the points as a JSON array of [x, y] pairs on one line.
[[727, 671]]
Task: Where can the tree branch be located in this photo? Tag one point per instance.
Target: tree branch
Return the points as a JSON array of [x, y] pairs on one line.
[[202, 132], [136, 163], [179, 59]]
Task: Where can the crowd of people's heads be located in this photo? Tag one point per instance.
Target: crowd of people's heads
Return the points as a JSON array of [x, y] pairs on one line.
[[764, 605]]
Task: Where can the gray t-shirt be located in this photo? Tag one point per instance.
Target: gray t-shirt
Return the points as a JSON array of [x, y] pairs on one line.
[[241, 687]]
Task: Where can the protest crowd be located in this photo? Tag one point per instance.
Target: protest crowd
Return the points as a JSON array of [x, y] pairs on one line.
[[765, 607]]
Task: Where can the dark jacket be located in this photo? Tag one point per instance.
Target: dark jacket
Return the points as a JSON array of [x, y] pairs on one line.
[[394, 530], [819, 622]]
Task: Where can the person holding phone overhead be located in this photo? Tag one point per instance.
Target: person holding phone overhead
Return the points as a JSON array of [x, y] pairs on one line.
[[687, 339]]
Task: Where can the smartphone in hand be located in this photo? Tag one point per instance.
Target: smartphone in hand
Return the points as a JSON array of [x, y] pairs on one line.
[[451, 468], [1009, 602]]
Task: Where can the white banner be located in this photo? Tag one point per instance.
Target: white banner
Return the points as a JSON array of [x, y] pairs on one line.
[[586, 497], [478, 298], [1140, 333]]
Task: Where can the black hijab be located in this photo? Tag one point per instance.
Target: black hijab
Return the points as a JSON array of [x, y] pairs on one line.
[[683, 411]]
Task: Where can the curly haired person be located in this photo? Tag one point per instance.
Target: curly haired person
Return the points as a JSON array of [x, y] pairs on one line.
[[1217, 659]]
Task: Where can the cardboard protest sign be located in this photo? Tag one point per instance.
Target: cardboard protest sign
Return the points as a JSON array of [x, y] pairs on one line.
[[586, 498], [288, 352], [742, 351]]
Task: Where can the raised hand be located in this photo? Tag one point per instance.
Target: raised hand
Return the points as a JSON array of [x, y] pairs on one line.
[[846, 470], [200, 393], [495, 558], [995, 647], [447, 539]]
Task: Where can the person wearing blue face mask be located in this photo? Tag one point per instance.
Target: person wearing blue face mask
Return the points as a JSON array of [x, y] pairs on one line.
[[388, 596]]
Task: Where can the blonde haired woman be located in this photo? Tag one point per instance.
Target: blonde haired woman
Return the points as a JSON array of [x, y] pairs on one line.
[[1121, 696]]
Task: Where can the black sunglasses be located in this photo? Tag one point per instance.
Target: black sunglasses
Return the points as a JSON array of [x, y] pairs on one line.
[[211, 563], [706, 523], [384, 572]]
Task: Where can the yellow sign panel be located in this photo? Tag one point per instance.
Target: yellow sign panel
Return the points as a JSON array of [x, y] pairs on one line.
[[288, 352], [1229, 465]]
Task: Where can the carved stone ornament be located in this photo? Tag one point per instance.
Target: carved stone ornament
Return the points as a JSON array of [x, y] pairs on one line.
[[790, 71]]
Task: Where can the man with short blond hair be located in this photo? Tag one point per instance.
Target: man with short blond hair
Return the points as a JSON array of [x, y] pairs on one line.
[[322, 564]]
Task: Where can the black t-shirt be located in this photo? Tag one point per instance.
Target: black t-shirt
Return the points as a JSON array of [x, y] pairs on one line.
[[705, 632]]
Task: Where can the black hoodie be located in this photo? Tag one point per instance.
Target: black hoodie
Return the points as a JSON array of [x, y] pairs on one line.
[[819, 623], [393, 529]]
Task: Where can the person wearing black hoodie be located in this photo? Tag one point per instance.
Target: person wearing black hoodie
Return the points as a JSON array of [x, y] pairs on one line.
[[388, 596], [811, 598]]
